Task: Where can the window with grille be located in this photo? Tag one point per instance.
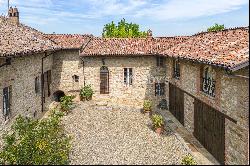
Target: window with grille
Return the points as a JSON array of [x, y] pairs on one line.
[[7, 97], [160, 61], [159, 89], [128, 76], [176, 72], [208, 81]]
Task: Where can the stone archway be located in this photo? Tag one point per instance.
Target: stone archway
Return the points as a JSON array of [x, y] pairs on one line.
[[57, 95]]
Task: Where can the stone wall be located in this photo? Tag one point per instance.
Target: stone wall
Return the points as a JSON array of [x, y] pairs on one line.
[[21, 76], [235, 101], [145, 74], [232, 99], [66, 64]]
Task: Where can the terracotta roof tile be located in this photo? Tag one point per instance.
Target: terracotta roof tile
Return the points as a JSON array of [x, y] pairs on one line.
[[129, 46], [227, 48], [21, 40], [69, 41]]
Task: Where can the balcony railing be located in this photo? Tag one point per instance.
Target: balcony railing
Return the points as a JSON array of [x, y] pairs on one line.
[[208, 86]]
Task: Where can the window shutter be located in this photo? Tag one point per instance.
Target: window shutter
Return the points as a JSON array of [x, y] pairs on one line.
[[130, 76], [125, 75]]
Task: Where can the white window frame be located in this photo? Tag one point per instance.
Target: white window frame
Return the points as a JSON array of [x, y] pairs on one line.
[[128, 76]]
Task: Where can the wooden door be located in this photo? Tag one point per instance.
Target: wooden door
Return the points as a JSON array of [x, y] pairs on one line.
[[104, 80], [176, 102], [209, 129]]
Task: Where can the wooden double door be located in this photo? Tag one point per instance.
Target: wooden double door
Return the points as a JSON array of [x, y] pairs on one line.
[[209, 129], [176, 102]]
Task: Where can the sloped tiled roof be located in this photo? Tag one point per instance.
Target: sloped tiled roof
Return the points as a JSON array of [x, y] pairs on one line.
[[69, 41], [21, 40], [227, 48], [129, 46]]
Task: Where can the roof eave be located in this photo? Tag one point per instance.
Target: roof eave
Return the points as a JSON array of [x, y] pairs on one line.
[[239, 66]]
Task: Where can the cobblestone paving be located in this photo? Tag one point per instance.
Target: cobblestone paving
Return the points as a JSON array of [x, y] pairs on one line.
[[116, 136]]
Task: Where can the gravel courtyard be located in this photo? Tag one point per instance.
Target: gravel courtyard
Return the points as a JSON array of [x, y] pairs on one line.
[[102, 135]]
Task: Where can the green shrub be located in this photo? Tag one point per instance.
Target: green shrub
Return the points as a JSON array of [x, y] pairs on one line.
[[216, 27], [157, 121], [87, 92], [188, 160], [147, 105], [66, 103], [34, 142]]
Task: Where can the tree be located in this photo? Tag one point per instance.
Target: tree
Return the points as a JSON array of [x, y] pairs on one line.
[[216, 28], [122, 30], [34, 142]]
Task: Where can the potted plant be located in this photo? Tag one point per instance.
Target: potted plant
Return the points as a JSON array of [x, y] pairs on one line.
[[86, 93], [147, 106], [188, 160], [158, 123]]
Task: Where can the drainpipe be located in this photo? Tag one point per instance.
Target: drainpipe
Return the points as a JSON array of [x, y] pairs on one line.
[[241, 76], [82, 49]]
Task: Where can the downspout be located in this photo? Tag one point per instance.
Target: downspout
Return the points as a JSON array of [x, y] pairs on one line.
[[82, 49]]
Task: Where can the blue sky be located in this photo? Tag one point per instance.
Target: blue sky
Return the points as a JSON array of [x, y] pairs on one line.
[[163, 17]]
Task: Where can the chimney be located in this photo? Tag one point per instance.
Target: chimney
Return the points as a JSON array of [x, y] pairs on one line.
[[13, 15], [149, 34]]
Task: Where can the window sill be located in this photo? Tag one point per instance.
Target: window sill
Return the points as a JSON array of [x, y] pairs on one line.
[[207, 95]]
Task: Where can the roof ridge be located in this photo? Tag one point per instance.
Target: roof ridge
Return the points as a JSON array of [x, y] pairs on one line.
[[68, 34], [224, 30]]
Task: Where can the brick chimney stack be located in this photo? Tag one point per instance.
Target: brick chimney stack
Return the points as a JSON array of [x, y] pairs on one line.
[[13, 15]]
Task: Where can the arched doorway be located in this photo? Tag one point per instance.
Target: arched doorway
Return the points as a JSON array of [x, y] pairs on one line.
[[104, 80], [57, 95]]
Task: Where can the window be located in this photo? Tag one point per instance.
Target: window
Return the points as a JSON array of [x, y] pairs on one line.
[[159, 89], [176, 69], [128, 76], [208, 81], [7, 95], [75, 78], [37, 85], [160, 61]]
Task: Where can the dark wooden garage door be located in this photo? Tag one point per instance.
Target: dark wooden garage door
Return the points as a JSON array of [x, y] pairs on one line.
[[209, 129], [176, 102]]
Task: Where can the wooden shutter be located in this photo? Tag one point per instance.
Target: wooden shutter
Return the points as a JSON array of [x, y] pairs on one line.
[[104, 80], [48, 81], [130, 76], [7, 101]]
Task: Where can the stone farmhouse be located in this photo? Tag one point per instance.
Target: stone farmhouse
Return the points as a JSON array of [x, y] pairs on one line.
[[203, 79]]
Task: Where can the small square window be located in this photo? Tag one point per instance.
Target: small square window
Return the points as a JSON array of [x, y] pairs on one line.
[[159, 89], [76, 78]]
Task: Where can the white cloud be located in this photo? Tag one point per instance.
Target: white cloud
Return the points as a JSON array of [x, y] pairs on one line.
[[186, 9]]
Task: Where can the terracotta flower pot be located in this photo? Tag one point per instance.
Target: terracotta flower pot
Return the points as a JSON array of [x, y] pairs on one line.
[[159, 130], [82, 98], [88, 98]]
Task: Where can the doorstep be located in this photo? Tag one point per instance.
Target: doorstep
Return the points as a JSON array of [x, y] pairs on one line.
[[200, 154]]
